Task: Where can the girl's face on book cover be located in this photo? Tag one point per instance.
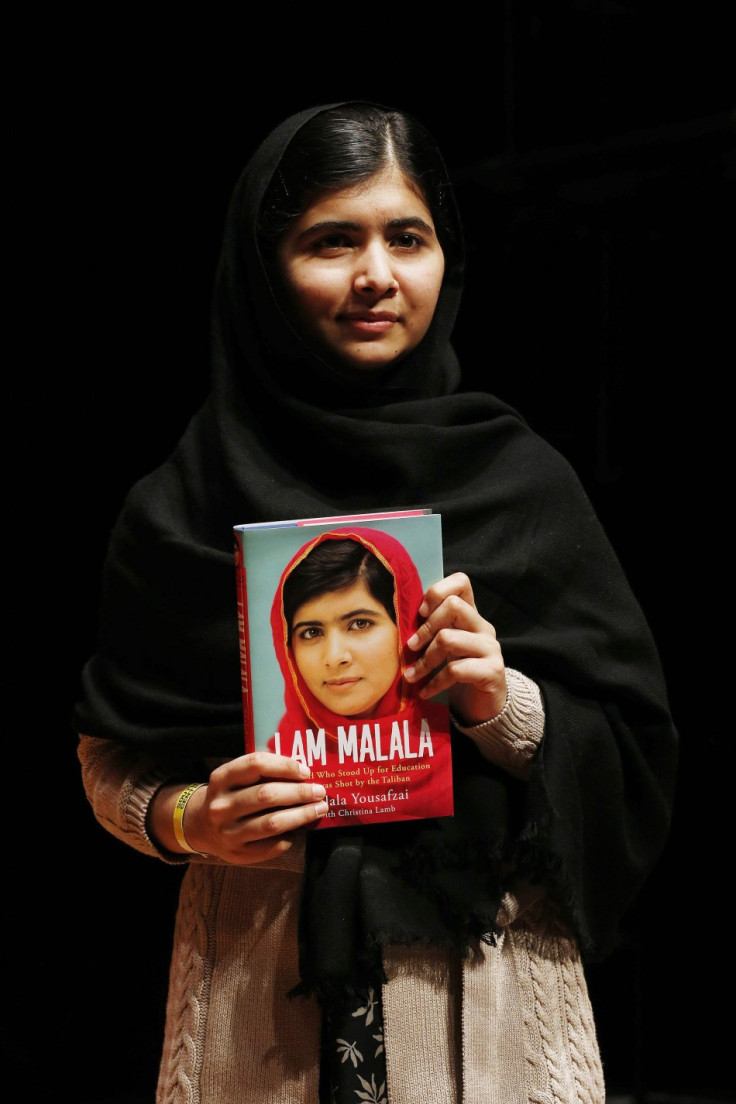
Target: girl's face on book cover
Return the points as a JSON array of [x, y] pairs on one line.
[[346, 648], [362, 268]]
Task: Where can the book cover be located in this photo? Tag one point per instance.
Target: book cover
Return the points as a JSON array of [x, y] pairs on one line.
[[325, 607]]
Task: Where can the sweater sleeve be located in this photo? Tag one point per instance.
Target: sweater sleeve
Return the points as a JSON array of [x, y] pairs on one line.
[[120, 784], [510, 740]]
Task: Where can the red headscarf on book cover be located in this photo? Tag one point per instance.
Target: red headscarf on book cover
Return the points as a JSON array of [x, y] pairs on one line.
[[400, 711]]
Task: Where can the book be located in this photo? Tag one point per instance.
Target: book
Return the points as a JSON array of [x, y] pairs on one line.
[[325, 607]]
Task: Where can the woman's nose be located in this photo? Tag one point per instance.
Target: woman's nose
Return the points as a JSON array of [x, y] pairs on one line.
[[336, 650], [375, 273]]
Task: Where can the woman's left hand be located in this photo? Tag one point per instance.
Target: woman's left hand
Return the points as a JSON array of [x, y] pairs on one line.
[[461, 648]]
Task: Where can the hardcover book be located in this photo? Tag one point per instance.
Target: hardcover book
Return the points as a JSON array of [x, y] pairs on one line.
[[325, 607]]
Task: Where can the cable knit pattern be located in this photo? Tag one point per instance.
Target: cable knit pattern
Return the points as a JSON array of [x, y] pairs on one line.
[[189, 988], [561, 1046]]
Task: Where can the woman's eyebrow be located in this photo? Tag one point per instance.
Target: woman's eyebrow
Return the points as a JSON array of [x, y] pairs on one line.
[[410, 221], [330, 226], [357, 613], [305, 624]]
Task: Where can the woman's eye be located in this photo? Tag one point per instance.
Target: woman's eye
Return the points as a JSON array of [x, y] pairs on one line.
[[309, 633], [407, 241], [360, 623], [332, 241]]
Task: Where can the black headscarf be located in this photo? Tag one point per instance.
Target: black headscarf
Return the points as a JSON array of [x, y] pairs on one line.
[[282, 435]]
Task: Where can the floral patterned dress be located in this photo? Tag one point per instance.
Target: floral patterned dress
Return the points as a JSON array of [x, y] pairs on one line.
[[353, 1067]]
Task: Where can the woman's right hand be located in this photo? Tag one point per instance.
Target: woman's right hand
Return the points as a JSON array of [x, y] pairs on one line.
[[246, 812]]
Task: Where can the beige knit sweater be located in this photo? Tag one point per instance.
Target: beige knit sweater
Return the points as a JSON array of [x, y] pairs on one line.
[[512, 1024]]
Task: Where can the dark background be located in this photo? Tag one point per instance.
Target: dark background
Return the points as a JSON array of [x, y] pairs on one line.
[[592, 146]]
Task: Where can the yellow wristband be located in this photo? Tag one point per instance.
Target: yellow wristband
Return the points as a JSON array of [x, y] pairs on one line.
[[181, 804]]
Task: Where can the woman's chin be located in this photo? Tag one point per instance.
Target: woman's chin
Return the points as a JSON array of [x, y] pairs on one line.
[[353, 713], [368, 367]]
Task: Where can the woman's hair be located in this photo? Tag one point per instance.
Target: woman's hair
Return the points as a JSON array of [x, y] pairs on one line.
[[335, 565], [341, 147]]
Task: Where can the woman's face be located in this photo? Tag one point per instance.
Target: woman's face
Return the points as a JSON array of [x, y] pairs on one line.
[[363, 269], [347, 649]]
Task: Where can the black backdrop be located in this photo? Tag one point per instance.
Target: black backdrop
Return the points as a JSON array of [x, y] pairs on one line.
[[592, 144]]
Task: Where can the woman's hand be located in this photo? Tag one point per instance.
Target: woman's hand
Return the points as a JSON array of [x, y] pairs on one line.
[[461, 648], [247, 811]]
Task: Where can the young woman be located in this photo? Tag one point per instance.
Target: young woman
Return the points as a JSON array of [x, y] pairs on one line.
[[334, 623], [439, 960]]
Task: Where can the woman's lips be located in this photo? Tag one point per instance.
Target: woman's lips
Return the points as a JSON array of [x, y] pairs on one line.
[[369, 322], [341, 684]]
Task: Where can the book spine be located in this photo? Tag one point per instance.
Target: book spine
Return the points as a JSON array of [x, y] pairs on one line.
[[242, 600]]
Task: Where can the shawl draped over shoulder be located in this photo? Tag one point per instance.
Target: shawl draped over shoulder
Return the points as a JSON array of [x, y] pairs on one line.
[[282, 435]]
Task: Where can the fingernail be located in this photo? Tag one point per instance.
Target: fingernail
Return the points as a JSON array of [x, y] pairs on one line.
[[409, 673], [304, 771], [413, 641], [423, 609], [318, 791]]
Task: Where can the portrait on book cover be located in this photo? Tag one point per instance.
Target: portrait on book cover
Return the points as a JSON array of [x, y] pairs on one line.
[[344, 607]]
